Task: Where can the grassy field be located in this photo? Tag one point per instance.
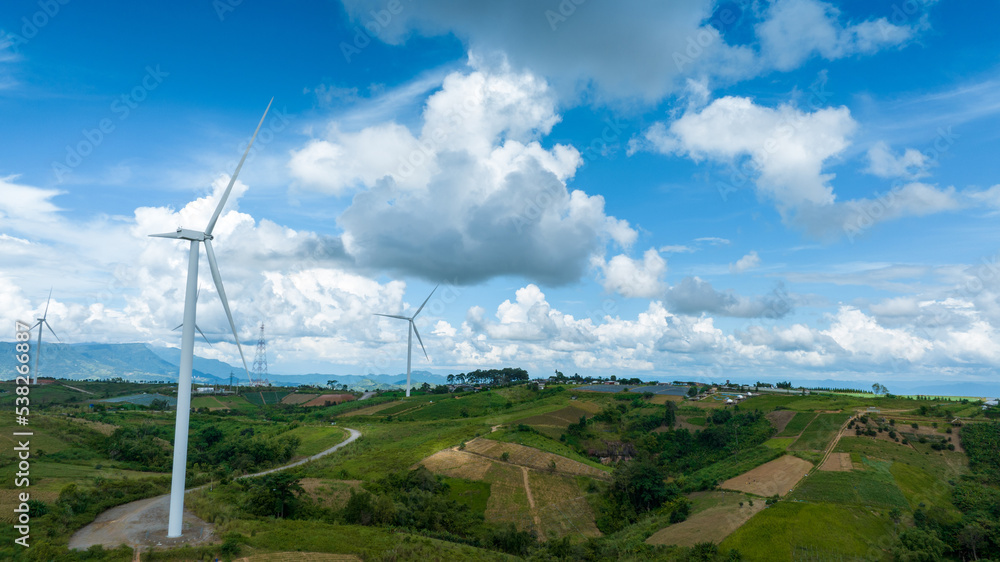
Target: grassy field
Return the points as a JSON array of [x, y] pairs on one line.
[[818, 434], [797, 424], [874, 487], [789, 531], [779, 443], [315, 439]]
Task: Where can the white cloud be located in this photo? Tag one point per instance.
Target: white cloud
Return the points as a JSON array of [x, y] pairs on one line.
[[788, 146], [912, 164], [633, 278], [795, 29], [749, 261], [474, 195], [786, 150], [693, 295]]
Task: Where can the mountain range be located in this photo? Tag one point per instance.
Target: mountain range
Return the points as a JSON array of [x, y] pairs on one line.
[[144, 362]]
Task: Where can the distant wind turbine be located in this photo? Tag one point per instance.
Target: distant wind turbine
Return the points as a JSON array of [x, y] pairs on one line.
[[409, 336], [174, 525], [42, 322]]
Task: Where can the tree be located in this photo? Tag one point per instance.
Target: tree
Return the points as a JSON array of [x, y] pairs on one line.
[[274, 494], [918, 545], [693, 391], [639, 484], [451, 379], [332, 383]]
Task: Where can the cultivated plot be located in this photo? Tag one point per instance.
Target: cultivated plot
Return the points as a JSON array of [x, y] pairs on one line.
[[776, 477]]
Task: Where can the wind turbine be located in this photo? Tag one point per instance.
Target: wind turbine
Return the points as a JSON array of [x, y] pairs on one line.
[[409, 336], [42, 322], [174, 525]]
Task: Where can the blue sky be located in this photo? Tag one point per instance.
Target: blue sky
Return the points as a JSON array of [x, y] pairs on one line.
[[745, 190]]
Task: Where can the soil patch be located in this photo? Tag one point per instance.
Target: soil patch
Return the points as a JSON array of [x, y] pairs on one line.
[[329, 400], [776, 477], [713, 524], [458, 464], [296, 398], [780, 418], [837, 462], [532, 458]]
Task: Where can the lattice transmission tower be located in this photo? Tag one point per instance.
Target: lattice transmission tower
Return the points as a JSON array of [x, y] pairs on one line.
[[259, 373]]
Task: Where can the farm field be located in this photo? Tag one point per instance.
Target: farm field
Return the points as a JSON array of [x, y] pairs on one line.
[[818, 434], [533, 499], [713, 524], [776, 477], [779, 419], [797, 424], [810, 531]]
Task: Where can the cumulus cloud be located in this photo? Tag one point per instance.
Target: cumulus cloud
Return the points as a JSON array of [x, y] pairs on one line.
[[796, 29], [694, 295], [631, 277], [912, 164], [749, 261], [622, 50], [473, 195], [787, 146], [784, 150]]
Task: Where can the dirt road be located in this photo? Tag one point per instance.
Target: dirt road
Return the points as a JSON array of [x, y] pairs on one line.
[[143, 523]]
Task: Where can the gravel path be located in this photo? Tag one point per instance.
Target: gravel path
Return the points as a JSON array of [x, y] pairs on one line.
[[143, 523]]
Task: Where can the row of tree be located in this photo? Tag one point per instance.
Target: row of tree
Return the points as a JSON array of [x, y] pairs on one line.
[[492, 377]]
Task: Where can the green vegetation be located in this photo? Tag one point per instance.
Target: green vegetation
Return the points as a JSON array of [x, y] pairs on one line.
[[797, 424], [818, 434], [373, 499], [789, 531]]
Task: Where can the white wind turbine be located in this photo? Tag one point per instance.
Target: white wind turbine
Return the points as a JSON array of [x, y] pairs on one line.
[[409, 336], [174, 526], [42, 322]]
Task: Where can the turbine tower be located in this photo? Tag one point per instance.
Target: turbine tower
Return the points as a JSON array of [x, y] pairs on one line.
[[174, 526], [260, 361], [409, 337], [42, 322]]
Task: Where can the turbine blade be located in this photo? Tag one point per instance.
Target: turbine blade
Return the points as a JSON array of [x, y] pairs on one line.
[[202, 335], [167, 235], [178, 327], [51, 330], [414, 326], [392, 316], [425, 301], [46, 313], [232, 180], [225, 302]]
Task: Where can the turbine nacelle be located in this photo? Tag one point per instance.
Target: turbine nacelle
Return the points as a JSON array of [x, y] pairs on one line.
[[185, 234]]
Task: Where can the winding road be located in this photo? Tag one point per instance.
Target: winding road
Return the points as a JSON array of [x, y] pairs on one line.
[[143, 523]]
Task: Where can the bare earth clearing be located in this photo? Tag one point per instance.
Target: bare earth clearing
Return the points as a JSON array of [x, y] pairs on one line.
[[837, 462], [776, 477], [779, 419], [143, 523], [371, 410], [524, 490], [713, 524], [532, 458]]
